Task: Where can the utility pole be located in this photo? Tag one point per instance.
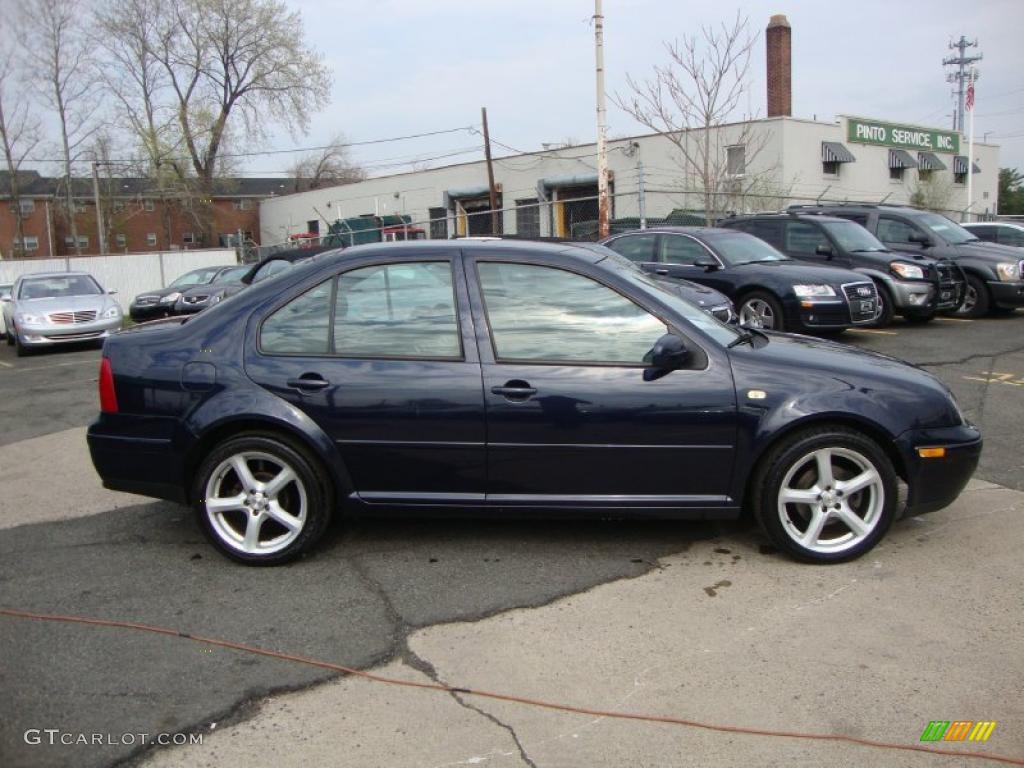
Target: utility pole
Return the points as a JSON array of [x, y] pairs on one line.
[[602, 126], [960, 77], [99, 208], [640, 200], [492, 192]]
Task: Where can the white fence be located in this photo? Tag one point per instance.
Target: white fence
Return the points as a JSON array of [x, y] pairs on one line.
[[129, 273]]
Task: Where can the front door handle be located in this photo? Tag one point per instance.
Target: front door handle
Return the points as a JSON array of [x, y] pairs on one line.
[[661, 271], [308, 382], [515, 390]]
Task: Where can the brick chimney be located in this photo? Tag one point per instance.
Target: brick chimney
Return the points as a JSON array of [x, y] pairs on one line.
[[780, 86]]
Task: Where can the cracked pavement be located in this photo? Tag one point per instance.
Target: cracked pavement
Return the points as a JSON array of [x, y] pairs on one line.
[[558, 610]]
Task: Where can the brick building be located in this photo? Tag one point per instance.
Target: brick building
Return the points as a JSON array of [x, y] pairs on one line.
[[138, 217]]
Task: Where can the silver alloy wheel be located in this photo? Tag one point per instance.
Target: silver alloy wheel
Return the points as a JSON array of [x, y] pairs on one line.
[[970, 299], [256, 503], [831, 500], [757, 313]]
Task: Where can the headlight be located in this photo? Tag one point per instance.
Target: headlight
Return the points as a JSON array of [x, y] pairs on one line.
[[907, 271], [806, 291], [27, 319], [114, 311], [215, 298], [1008, 271], [170, 298]]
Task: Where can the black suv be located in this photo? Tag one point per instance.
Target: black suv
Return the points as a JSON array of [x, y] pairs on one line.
[[993, 272], [912, 285]]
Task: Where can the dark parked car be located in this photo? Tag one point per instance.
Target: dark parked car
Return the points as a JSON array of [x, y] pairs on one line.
[[200, 297], [993, 271], [1003, 232], [912, 285], [513, 377], [770, 290], [160, 303]]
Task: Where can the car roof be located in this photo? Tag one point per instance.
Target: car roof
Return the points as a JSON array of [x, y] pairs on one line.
[[483, 245], [818, 215], [695, 231], [1011, 224]]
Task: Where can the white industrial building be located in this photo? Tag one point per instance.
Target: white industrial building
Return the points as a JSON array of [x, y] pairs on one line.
[[762, 165]]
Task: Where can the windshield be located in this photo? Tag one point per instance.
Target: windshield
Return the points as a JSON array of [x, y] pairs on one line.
[[852, 237], [737, 248], [196, 277], [717, 330], [232, 275], [948, 230], [59, 286]]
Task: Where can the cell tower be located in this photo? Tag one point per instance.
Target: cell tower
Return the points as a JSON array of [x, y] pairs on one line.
[[961, 75]]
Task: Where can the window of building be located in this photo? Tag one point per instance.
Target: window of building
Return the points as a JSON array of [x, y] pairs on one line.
[[313, 226], [149, 205], [924, 174], [438, 223], [960, 178], [122, 240], [896, 174], [397, 310], [26, 206], [118, 205], [151, 239], [736, 160], [830, 167], [192, 238], [243, 204], [545, 314], [31, 243], [528, 217], [83, 241]]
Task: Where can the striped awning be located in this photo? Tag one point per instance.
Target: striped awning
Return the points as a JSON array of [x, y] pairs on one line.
[[929, 161], [900, 158], [835, 152], [960, 165]]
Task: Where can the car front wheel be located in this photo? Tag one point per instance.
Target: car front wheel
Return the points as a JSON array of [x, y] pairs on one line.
[[761, 310], [976, 299], [826, 494], [259, 500]]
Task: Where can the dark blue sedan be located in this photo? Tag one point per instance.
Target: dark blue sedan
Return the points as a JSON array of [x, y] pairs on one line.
[[512, 377]]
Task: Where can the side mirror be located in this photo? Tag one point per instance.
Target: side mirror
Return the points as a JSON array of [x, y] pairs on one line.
[[922, 240], [825, 250], [708, 264], [669, 353], [5, 299], [112, 293]]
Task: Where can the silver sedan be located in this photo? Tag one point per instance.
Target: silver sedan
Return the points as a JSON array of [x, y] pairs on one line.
[[50, 308]]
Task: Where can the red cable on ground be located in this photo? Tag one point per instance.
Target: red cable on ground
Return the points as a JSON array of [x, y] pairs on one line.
[[509, 697]]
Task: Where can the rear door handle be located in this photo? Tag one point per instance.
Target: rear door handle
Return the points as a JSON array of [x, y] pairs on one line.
[[515, 390], [661, 271], [308, 382]]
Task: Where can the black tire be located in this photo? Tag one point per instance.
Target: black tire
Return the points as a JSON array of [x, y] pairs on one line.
[[793, 461], [885, 305], [10, 337], [750, 301], [20, 349], [260, 453], [977, 300]]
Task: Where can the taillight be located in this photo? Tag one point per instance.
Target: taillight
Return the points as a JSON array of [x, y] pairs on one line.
[[108, 397]]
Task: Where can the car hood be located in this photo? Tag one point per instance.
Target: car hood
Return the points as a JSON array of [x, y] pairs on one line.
[[64, 304], [994, 251], [827, 367], [210, 289], [700, 295], [798, 271]]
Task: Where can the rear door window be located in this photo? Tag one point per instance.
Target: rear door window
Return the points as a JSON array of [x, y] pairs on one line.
[[636, 248], [680, 249], [892, 230], [803, 238]]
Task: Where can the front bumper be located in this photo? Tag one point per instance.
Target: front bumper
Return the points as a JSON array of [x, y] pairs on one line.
[[935, 483], [1007, 294], [912, 296], [142, 312], [48, 334], [832, 314]]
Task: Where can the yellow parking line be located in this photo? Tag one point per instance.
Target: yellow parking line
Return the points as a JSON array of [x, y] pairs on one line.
[[6, 365], [954, 319], [868, 330]]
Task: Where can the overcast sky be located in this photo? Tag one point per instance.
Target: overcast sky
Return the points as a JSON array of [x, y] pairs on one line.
[[411, 66]]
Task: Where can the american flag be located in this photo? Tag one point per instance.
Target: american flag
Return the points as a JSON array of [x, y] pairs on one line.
[[969, 104]]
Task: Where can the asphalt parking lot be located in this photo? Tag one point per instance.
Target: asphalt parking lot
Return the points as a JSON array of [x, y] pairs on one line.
[[694, 620]]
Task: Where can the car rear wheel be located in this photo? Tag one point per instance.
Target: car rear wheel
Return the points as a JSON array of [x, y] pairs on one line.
[[259, 500], [825, 495], [761, 310], [976, 299]]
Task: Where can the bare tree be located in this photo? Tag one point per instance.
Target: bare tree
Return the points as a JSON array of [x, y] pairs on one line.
[[329, 166], [20, 133], [59, 52], [691, 101]]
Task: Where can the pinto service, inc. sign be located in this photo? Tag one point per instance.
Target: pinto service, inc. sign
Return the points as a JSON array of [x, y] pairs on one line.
[[902, 136]]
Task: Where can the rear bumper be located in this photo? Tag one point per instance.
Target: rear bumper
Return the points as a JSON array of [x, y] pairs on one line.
[[145, 465], [1007, 294], [935, 483]]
